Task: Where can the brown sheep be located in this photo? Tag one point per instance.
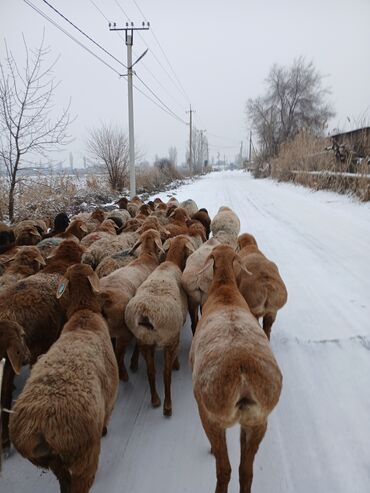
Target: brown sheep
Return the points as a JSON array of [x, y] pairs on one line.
[[120, 286], [7, 238], [76, 230], [63, 411], [264, 290], [28, 232], [31, 303], [236, 378], [177, 225], [27, 261], [203, 217]]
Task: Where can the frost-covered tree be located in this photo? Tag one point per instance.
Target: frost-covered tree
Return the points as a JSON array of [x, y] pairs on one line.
[[295, 99]]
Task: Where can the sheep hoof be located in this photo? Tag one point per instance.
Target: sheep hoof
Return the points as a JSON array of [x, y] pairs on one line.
[[167, 411], [105, 431], [176, 364], [156, 401], [134, 367], [7, 452]]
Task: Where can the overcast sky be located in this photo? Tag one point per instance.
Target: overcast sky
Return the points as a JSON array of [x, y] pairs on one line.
[[220, 51]]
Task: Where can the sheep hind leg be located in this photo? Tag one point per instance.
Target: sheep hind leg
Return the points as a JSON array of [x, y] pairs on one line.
[[193, 311], [148, 354], [169, 359], [176, 364], [250, 438], [120, 355], [62, 474], [217, 438], [6, 403], [134, 364], [83, 472], [268, 320]]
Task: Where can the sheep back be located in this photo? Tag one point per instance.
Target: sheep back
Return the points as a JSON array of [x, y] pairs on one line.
[[157, 312]]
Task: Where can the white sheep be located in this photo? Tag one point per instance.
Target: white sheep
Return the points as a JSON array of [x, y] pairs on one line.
[[157, 313], [197, 285]]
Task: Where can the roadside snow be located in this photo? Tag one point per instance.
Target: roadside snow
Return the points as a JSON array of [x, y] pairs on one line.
[[318, 436]]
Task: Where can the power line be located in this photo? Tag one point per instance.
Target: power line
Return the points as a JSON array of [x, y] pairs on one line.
[[45, 16], [82, 32], [70, 35], [164, 54], [143, 64], [159, 99], [178, 87]]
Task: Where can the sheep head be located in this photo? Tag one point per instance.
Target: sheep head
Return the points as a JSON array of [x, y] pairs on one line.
[[13, 345]]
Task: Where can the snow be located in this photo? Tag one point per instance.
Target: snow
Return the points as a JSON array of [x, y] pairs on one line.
[[318, 435]]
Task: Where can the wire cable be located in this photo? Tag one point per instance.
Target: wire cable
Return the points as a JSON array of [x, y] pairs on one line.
[[153, 53], [164, 54], [86, 35], [70, 36], [158, 98], [45, 16], [142, 63]]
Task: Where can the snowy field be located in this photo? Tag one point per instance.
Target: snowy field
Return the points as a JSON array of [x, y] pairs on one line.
[[319, 434]]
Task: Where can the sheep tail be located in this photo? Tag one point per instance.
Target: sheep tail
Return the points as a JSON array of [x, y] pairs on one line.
[[245, 399], [42, 448], [45, 456], [145, 322]]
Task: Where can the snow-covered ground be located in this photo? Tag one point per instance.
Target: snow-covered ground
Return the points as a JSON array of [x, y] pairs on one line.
[[319, 434]]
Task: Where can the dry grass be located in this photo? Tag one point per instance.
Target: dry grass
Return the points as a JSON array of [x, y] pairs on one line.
[[305, 161], [46, 195], [154, 179]]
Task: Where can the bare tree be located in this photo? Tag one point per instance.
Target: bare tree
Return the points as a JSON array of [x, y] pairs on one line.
[[172, 155], [109, 146], [294, 100], [199, 150], [27, 126]]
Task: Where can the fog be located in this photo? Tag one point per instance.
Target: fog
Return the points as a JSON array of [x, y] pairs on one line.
[[219, 52]]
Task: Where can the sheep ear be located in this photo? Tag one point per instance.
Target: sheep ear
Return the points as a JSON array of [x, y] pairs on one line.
[[166, 245], [33, 233], [40, 259], [10, 259], [242, 267], [63, 283], [189, 245], [135, 247], [15, 358], [94, 282], [83, 228], [159, 245], [207, 265]]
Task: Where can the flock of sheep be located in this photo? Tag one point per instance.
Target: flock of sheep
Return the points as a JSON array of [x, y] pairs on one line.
[[76, 294]]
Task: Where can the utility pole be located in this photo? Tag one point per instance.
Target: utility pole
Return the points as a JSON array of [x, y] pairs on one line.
[[250, 145], [191, 140], [129, 38]]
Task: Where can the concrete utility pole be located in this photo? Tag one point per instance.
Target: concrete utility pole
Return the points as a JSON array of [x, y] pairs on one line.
[[191, 141], [129, 38]]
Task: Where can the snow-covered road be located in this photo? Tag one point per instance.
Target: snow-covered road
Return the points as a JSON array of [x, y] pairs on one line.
[[319, 434]]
